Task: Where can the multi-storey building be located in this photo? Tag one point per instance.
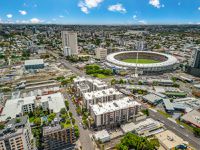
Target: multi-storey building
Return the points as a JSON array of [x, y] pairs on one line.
[[58, 138], [17, 135], [17, 107], [101, 96], [101, 53], [69, 39], [115, 112], [83, 84], [194, 67]]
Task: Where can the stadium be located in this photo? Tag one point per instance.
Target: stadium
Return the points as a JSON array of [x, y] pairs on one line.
[[144, 61]]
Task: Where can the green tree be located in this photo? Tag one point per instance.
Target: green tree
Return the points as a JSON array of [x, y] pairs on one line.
[[196, 131], [37, 121], [63, 111], [76, 131], [67, 104], [132, 141]]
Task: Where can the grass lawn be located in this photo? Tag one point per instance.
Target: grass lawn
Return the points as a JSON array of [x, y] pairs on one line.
[[101, 76], [140, 61]]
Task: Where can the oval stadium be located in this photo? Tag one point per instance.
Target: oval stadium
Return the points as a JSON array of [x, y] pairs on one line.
[[147, 61]]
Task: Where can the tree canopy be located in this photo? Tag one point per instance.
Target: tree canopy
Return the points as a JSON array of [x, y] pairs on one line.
[[132, 141]]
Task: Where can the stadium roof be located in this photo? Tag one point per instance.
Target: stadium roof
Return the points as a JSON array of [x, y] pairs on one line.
[[171, 60]]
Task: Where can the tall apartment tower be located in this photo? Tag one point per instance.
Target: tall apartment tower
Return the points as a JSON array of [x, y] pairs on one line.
[[194, 67], [69, 40]]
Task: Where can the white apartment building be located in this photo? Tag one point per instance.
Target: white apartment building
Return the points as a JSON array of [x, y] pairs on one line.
[[101, 96], [53, 102], [115, 112], [85, 83], [101, 53], [69, 39], [17, 135]]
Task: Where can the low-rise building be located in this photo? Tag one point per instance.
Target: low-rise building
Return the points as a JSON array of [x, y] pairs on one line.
[[152, 99], [192, 118], [144, 128], [17, 135], [17, 107], [170, 140], [34, 64], [102, 136], [101, 96], [115, 112]]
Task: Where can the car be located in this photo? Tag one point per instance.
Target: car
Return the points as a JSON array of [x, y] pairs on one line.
[[182, 126]]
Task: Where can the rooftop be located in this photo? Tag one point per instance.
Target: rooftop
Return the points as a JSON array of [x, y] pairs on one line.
[[13, 107], [192, 117], [101, 93], [123, 103], [170, 140], [34, 62]]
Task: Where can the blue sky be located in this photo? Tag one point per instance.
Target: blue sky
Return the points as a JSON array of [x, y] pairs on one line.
[[100, 11]]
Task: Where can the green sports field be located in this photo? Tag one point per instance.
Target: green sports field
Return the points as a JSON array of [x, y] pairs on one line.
[[140, 61]]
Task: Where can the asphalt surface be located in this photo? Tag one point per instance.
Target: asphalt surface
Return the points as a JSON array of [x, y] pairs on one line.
[[86, 142], [183, 133]]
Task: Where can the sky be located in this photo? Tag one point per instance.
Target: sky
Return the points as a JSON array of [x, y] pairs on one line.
[[100, 11]]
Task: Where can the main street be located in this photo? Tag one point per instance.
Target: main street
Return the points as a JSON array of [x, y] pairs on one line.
[[86, 142], [183, 133]]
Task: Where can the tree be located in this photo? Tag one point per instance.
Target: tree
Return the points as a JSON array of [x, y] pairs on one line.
[[37, 121], [63, 111], [196, 131], [51, 117], [2, 126], [70, 114], [67, 105], [76, 131], [132, 141]]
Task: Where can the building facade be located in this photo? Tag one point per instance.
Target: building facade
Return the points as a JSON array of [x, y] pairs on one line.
[[114, 113], [101, 53], [17, 135], [57, 138], [69, 39]]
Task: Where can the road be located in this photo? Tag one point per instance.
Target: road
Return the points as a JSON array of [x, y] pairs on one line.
[[84, 134], [183, 133], [86, 142]]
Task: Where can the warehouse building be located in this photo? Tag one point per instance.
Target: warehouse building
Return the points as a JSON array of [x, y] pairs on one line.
[[34, 64]]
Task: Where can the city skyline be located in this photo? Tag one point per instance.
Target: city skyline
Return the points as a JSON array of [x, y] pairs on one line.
[[100, 12]]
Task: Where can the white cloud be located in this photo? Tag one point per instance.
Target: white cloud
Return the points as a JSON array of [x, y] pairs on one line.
[[142, 22], [155, 3], [9, 16], [22, 12], [61, 16], [135, 17], [179, 3], [35, 20], [117, 8], [198, 8], [88, 4]]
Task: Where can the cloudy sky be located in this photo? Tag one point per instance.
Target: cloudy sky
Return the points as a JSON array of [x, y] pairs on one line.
[[100, 11]]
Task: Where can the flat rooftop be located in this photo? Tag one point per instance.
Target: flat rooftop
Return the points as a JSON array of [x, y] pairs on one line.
[[123, 103], [33, 62], [169, 140], [101, 93]]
